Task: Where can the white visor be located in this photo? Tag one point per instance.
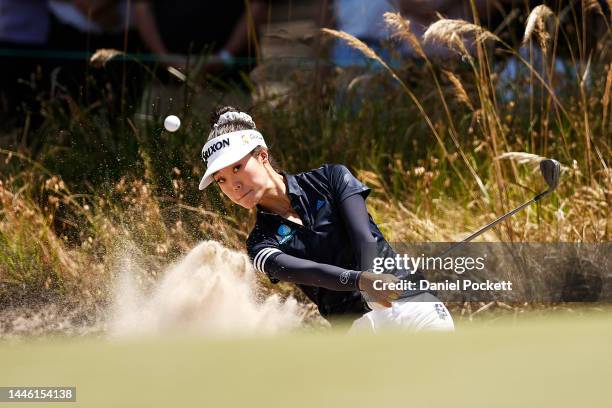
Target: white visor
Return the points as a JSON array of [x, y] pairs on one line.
[[228, 149]]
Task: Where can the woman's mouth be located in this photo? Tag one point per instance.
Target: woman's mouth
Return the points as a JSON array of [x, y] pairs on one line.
[[244, 195]]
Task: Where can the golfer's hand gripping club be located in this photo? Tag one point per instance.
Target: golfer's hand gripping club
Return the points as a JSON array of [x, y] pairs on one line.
[[381, 295]]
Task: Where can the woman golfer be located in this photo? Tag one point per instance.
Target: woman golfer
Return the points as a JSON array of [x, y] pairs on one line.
[[313, 229]]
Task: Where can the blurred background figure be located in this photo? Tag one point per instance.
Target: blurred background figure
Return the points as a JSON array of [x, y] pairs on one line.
[[364, 20], [61, 36], [228, 30], [79, 28], [218, 44], [24, 31]]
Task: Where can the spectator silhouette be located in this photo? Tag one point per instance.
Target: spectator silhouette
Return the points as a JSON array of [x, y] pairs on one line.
[[81, 27], [362, 19], [230, 33]]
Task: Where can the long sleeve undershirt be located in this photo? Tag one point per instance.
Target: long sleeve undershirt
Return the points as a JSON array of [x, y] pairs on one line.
[[303, 271]]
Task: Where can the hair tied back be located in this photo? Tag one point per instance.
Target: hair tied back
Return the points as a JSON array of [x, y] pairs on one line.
[[229, 117]]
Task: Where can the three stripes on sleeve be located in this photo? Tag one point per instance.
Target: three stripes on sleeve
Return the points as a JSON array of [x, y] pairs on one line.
[[262, 256]]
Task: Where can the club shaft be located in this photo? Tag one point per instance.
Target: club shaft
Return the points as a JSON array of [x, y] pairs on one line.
[[493, 223]]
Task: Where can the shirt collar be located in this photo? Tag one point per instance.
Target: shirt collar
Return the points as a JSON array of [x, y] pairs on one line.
[[293, 189], [292, 185]]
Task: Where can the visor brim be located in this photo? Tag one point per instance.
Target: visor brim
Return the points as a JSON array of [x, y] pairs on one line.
[[220, 163]]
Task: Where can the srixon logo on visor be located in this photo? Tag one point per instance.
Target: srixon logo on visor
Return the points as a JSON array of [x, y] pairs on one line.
[[215, 147]]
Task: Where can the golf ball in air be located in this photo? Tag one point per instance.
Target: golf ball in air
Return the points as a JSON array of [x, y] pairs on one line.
[[172, 123]]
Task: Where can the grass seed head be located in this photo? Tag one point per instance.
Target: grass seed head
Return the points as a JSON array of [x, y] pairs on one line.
[[446, 32], [537, 23], [102, 56], [401, 28]]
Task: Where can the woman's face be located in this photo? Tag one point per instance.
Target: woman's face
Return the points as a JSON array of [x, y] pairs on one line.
[[245, 181]]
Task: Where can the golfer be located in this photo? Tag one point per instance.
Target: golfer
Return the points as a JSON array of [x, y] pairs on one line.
[[313, 229]]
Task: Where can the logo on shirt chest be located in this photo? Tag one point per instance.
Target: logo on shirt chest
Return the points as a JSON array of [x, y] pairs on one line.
[[322, 214], [284, 233]]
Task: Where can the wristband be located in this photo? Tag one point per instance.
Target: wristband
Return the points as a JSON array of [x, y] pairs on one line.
[[350, 278]]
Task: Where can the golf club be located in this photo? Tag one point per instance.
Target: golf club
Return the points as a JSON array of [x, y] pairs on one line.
[[551, 171]]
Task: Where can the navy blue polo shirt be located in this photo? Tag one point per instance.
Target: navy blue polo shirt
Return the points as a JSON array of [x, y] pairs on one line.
[[316, 196]]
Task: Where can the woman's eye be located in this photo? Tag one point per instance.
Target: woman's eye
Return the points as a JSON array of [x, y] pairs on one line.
[[219, 181], [236, 168]]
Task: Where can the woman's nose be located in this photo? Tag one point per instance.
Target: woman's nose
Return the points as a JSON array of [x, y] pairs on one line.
[[237, 185]]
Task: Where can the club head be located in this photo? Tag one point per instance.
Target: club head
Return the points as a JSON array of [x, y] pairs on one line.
[[551, 171]]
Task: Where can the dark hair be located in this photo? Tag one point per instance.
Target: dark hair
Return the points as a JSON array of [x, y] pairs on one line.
[[228, 127], [233, 126]]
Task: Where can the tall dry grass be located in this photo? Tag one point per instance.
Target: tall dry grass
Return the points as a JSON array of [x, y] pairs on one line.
[[469, 40], [444, 148]]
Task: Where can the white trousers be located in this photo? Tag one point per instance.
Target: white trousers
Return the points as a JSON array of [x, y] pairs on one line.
[[421, 312]]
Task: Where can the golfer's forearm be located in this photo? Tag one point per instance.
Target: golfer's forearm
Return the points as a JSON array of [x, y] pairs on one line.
[[302, 271], [357, 221]]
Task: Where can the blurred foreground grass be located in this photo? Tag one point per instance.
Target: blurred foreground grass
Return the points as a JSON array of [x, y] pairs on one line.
[[548, 361]]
